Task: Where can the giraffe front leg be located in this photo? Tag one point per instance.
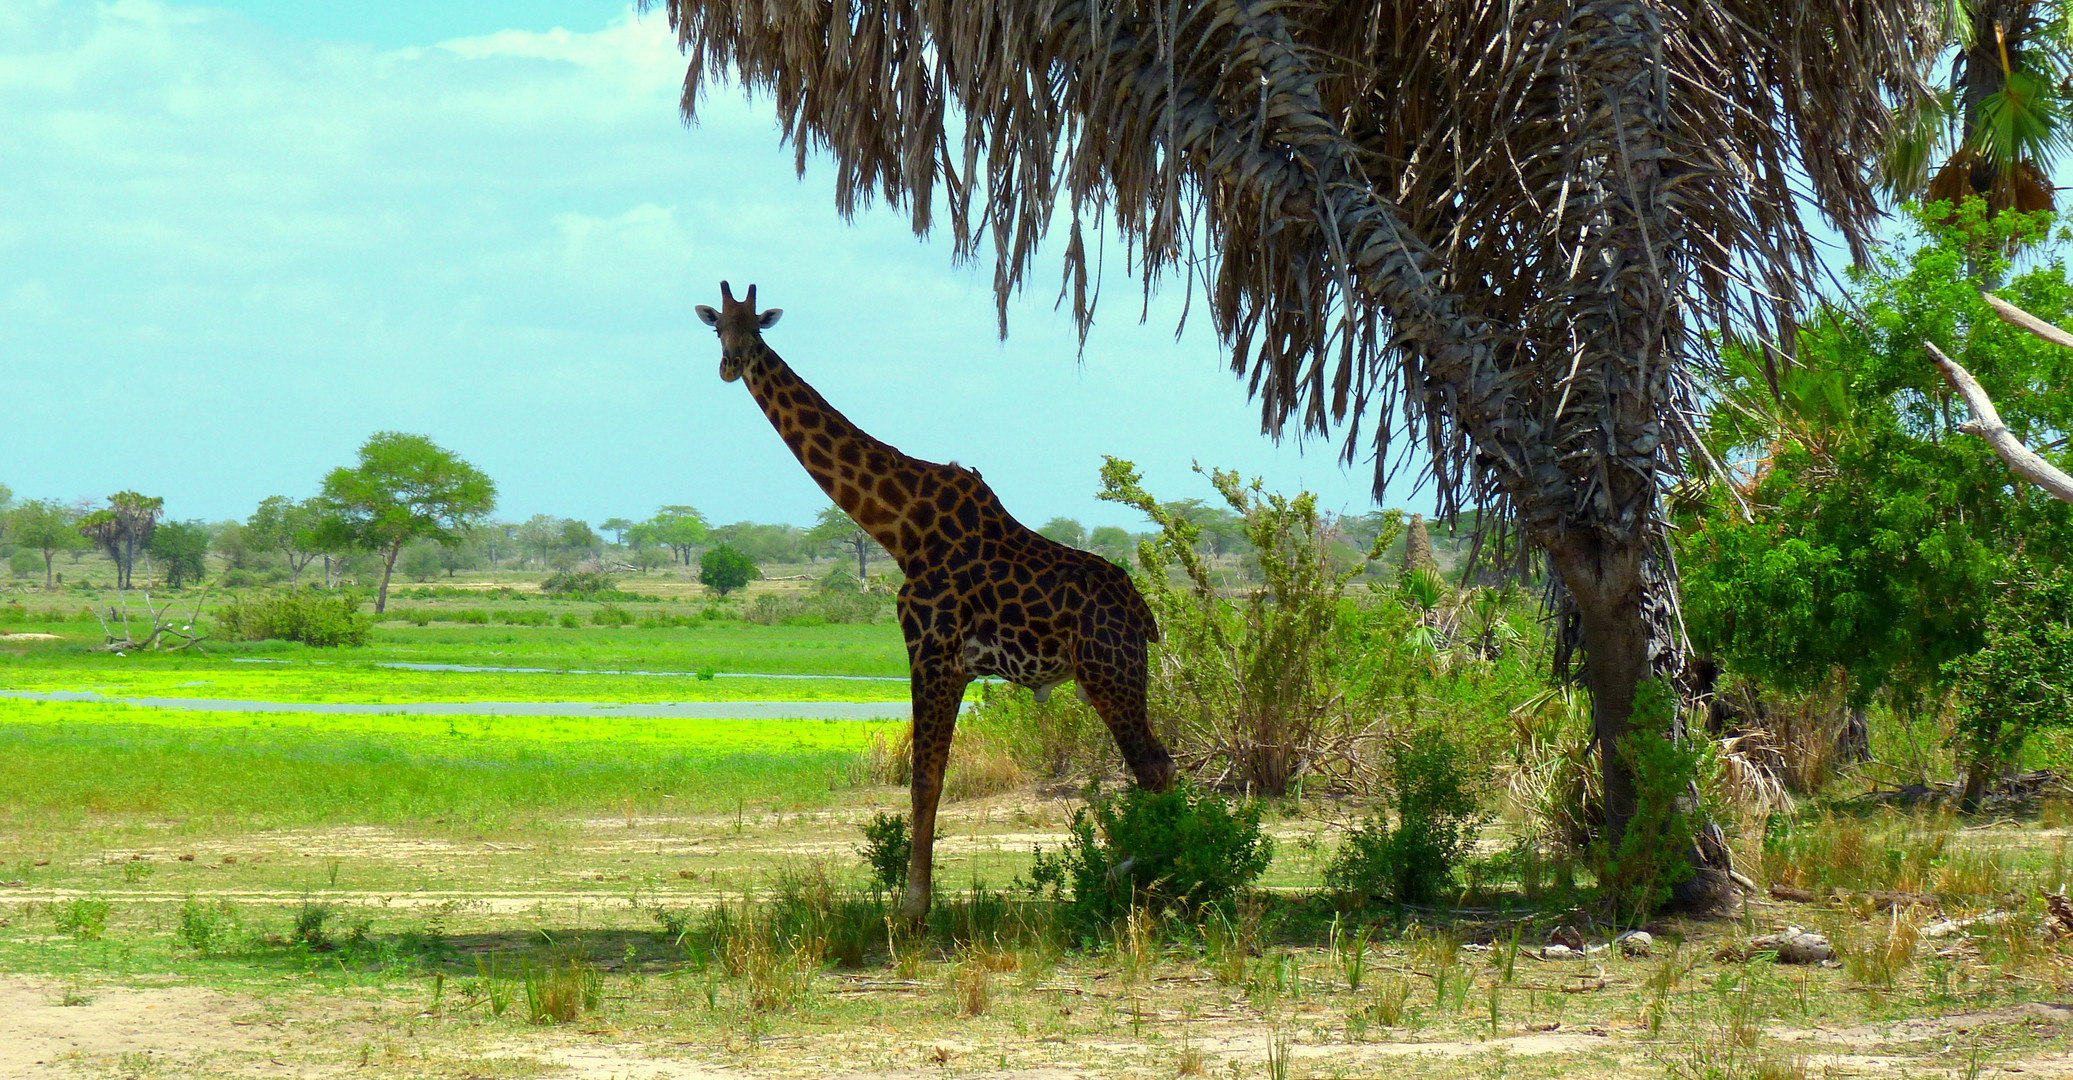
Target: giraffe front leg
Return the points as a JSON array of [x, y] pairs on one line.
[[936, 700]]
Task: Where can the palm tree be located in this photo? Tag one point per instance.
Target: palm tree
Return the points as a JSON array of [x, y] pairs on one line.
[[2001, 120], [1484, 238]]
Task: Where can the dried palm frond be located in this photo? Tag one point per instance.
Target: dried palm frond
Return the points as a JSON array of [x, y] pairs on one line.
[[1507, 219]]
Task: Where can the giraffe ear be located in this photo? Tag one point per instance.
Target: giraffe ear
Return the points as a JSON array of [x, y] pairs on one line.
[[708, 316], [769, 318]]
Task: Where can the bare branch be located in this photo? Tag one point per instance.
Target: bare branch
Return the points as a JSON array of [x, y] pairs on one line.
[[2015, 316], [1986, 422]]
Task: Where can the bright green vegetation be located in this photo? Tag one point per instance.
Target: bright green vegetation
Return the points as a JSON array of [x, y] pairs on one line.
[[722, 645], [352, 682], [64, 759]]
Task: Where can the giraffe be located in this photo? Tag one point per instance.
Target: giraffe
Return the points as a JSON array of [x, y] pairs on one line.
[[983, 594]]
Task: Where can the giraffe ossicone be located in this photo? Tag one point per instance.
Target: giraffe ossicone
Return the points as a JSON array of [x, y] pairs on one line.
[[984, 594]]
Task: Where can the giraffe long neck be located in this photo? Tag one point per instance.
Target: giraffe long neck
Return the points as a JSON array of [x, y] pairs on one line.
[[857, 471]]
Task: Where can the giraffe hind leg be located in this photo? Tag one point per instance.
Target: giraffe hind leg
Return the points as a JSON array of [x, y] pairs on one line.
[[1114, 687]]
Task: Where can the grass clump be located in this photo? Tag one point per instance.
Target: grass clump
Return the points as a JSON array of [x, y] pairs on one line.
[[1178, 848], [563, 991]]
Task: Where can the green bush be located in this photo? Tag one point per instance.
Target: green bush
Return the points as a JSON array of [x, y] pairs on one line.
[[309, 617], [569, 621], [887, 848], [1180, 848], [2017, 683], [725, 569], [1654, 854], [611, 615], [203, 927], [1436, 816], [84, 917], [26, 562]]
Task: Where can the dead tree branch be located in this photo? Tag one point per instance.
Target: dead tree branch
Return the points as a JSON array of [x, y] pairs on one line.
[[1986, 423]]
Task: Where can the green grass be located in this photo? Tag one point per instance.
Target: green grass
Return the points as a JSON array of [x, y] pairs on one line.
[[73, 760], [722, 645], [207, 677]]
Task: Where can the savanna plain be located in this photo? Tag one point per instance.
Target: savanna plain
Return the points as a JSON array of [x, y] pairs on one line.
[[206, 869]]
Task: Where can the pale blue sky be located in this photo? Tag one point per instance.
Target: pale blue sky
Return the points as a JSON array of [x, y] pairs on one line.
[[237, 238]]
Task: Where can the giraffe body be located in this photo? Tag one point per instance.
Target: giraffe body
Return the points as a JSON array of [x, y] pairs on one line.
[[984, 595]]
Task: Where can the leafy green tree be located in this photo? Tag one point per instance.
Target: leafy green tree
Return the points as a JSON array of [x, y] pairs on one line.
[[420, 561], [181, 549], [833, 530], [577, 541], [1875, 533], [765, 543], [724, 569], [1066, 531], [678, 528], [466, 555], [618, 527], [123, 529], [404, 488], [1114, 544], [47, 526], [289, 528], [6, 498]]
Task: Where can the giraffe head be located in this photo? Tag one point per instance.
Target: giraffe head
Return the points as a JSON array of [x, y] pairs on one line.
[[740, 328]]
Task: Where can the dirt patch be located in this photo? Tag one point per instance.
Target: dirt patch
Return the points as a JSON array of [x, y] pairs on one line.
[[40, 1035], [30, 637]]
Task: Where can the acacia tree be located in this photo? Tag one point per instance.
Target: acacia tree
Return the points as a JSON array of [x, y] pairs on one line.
[[123, 528], [44, 525], [678, 528], [833, 529], [1499, 230], [294, 529], [404, 488]]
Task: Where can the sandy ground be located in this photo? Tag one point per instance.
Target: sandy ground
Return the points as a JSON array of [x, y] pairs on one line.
[[133, 1030]]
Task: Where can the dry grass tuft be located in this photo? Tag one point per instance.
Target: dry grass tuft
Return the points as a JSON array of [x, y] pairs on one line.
[[1876, 953], [971, 984]]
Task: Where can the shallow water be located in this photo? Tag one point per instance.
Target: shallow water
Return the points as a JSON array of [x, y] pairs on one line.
[[684, 710]]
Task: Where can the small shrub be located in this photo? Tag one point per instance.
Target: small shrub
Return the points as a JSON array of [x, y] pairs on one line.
[[473, 616], [569, 621], [306, 616], [611, 615], [309, 927], [887, 849], [1436, 822], [1177, 848], [202, 927], [26, 562], [579, 581], [85, 917]]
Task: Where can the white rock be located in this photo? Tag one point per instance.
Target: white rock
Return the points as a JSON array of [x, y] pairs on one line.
[[1635, 943]]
